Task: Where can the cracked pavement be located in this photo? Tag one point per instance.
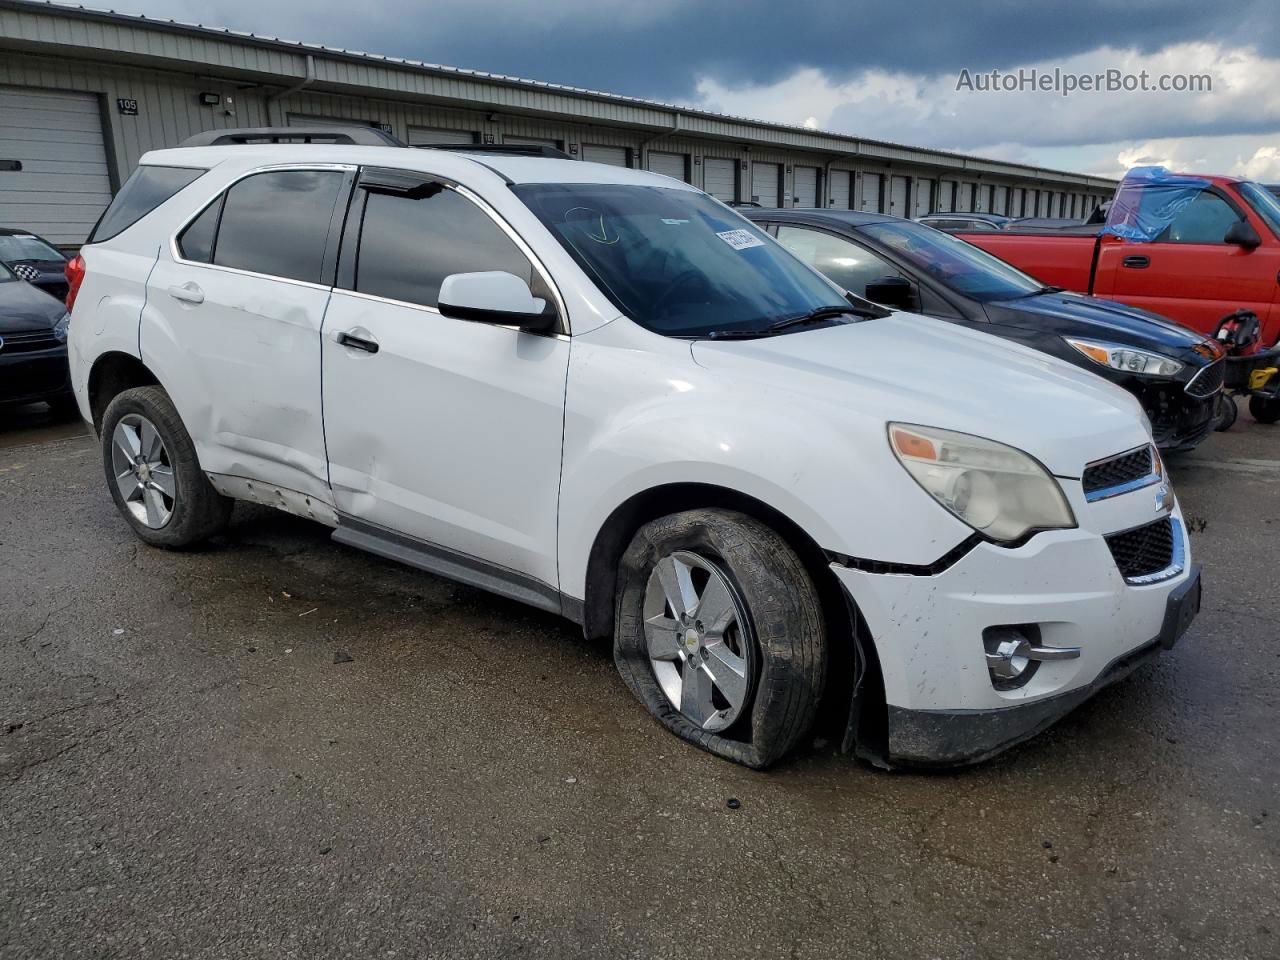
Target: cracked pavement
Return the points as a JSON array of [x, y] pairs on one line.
[[186, 771]]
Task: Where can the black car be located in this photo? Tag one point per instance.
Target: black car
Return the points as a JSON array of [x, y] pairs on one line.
[[33, 345], [35, 260], [964, 222], [1176, 373]]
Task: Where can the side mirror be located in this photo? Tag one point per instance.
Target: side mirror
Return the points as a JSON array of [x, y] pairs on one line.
[[1242, 234], [494, 296], [894, 292]]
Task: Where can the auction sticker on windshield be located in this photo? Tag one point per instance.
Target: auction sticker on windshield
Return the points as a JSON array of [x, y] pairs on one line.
[[740, 239]]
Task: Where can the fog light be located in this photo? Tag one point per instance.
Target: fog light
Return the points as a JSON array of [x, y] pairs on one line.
[[1009, 655]]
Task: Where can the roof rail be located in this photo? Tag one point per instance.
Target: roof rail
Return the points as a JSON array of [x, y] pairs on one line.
[[361, 136], [502, 149]]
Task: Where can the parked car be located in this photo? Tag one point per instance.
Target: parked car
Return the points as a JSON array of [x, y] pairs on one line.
[[952, 222], [35, 260], [1048, 223], [604, 393], [1214, 251], [33, 345], [1176, 374]]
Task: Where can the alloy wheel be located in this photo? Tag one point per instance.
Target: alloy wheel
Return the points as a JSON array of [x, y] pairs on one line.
[[143, 471]]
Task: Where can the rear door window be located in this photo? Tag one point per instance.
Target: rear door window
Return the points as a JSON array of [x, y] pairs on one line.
[[410, 242], [278, 223], [146, 189]]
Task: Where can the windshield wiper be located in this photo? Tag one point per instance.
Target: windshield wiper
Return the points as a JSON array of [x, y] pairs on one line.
[[788, 323], [1051, 289]]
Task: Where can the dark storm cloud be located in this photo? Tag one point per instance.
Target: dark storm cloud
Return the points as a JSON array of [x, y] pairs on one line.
[[658, 48]]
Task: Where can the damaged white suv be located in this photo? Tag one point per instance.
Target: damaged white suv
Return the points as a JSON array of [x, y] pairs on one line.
[[604, 393]]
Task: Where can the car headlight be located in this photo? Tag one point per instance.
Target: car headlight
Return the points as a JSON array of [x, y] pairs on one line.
[[61, 327], [1001, 492], [1119, 357]]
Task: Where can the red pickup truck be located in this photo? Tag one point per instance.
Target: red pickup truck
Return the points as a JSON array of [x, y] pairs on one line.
[[1192, 248]]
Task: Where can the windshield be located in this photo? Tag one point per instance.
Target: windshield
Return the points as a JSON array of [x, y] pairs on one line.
[[20, 246], [676, 261], [1264, 203], [951, 261], [7, 275]]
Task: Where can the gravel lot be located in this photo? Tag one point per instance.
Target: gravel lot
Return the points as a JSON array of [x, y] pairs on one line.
[[278, 747]]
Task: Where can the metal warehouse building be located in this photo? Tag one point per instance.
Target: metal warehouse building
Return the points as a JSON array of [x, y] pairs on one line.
[[84, 93]]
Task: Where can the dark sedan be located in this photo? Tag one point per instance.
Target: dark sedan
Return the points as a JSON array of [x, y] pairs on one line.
[[1174, 372], [33, 345], [35, 260]]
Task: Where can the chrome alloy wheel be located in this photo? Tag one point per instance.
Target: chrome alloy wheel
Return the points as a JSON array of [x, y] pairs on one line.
[[697, 633], [144, 474]]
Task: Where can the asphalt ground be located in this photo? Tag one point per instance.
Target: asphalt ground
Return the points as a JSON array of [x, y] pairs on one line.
[[279, 747]]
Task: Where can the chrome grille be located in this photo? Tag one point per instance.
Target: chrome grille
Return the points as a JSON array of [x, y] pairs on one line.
[[1117, 471], [1208, 381]]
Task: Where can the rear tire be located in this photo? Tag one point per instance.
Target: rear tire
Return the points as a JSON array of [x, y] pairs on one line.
[[777, 638], [1264, 409], [153, 474]]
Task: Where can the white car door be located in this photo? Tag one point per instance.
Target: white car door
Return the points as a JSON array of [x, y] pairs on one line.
[[443, 435], [238, 306]]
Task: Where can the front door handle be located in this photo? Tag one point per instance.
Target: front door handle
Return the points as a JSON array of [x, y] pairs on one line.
[[187, 293], [1136, 263], [358, 343]]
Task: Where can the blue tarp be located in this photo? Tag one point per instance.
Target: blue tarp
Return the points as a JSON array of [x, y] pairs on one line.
[[1147, 201]]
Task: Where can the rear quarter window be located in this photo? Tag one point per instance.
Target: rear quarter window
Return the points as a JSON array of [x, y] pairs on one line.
[[146, 189]]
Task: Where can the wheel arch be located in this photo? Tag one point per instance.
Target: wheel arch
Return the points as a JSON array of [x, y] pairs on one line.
[[112, 373]]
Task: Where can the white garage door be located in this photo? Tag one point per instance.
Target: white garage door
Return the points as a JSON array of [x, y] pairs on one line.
[[924, 197], [805, 190], [871, 192], [946, 197], [1018, 199], [1002, 201], [720, 178], [898, 197], [838, 189], [669, 164], [56, 183], [614, 156], [424, 136], [964, 202], [766, 184], [533, 141]]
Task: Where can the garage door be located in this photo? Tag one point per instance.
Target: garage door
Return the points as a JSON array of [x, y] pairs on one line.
[[533, 141], [1001, 205], [425, 136], [946, 197], [898, 196], [838, 189], [720, 178], [1017, 198], [805, 190], [674, 165], [923, 202], [964, 202], [871, 192], [56, 183], [766, 184], [614, 156]]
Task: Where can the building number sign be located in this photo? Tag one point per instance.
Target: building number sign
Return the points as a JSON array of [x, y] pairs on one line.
[[127, 106]]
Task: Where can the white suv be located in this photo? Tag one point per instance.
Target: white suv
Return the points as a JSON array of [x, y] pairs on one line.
[[604, 393]]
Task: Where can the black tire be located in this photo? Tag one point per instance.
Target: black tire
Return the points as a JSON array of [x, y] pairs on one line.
[[787, 627], [198, 511], [1227, 412], [1264, 409]]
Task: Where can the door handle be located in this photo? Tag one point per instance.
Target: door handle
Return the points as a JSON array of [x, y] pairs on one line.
[[358, 343], [1136, 263], [187, 293]]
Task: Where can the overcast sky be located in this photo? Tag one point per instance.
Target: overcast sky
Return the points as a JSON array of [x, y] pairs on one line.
[[887, 70]]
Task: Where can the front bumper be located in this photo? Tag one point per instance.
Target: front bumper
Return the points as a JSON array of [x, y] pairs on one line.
[[927, 632], [35, 375], [1179, 421]]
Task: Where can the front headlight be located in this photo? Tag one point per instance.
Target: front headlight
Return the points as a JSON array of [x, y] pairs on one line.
[[1001, 492], [1119, 357], [61, 327]]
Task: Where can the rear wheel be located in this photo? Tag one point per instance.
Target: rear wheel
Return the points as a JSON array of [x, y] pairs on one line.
[[1264, 409], [152, 471], [720, 634]]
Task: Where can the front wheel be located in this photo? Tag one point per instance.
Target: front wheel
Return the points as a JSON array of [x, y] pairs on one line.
[[1264, 409], [719, 633], [152, 471]]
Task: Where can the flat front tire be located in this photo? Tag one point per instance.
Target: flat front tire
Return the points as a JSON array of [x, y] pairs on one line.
[[719, 632], [153, 474]]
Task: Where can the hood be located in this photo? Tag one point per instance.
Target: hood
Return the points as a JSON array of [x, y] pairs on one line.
[[915, 369], [1071, 315], [24, 308]]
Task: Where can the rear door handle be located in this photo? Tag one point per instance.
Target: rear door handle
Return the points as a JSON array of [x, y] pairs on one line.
[[358, 343], [187, 293], [1136, 263]]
